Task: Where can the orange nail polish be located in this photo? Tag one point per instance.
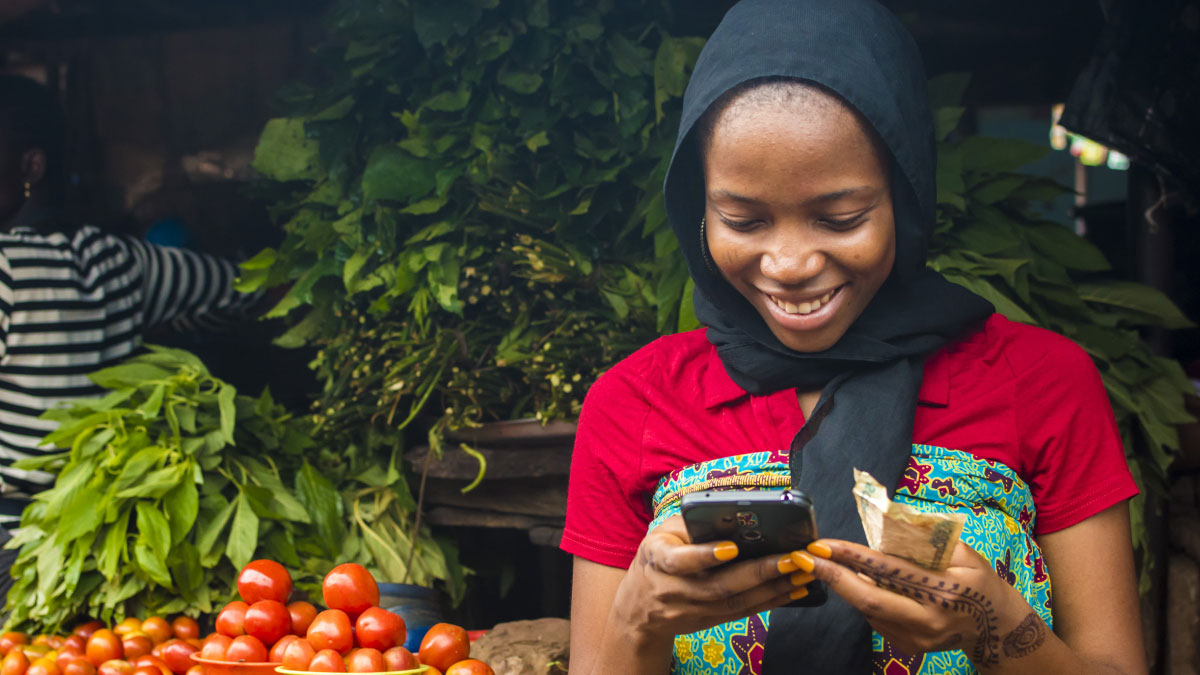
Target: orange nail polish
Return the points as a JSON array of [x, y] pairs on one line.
[[803, 560], [798, 593], [786, 566], [802, 578], [726, 550], [820, 548]]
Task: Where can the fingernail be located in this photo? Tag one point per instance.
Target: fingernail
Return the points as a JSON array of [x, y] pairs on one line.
[[786, 566], [803, 560], [820, 548], [726, 550], [798, 593], [802, 578]]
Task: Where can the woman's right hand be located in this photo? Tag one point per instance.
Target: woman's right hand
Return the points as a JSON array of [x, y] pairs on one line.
[[674, 587]]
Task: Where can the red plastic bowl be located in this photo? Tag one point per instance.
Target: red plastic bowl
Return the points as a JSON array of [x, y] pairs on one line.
[[234, 667]]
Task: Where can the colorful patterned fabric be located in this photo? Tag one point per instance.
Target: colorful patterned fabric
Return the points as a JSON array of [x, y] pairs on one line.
[[1000, 520]]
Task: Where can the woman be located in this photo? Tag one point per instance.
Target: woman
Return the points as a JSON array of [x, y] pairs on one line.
[[802, 194]]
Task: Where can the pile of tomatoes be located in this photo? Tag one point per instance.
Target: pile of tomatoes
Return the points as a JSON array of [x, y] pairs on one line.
[[132, 647], [354, 635]]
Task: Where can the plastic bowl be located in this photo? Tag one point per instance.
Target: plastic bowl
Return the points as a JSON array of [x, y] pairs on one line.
[[234, 667], [417, 670]]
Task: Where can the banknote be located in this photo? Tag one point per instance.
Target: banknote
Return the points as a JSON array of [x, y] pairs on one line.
[[927, 539]]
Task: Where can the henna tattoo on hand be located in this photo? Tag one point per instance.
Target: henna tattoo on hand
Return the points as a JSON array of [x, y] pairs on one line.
[[955, 597], [1026, 638]]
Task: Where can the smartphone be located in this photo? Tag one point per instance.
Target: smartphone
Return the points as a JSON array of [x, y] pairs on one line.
[[760, 522]]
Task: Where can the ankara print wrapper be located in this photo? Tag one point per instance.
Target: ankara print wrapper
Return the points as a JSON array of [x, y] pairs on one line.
[[1000, 518]]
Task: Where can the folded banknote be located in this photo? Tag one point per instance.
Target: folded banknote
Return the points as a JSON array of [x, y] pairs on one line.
[[927, 539]]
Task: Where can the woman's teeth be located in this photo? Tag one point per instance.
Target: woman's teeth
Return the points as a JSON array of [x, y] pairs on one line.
[[803, 307]]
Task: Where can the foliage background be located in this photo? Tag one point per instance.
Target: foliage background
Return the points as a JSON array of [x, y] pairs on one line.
[[475, 226]]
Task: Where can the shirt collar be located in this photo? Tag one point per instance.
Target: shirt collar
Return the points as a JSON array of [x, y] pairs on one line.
[[720, 389]]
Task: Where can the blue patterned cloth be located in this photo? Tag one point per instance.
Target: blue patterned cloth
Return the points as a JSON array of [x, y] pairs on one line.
[[1000, 517]]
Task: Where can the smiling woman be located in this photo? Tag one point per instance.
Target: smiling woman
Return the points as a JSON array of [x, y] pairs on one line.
[[801, 191]]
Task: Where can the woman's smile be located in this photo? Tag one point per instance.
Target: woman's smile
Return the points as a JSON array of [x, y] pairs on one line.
[[800, 314]]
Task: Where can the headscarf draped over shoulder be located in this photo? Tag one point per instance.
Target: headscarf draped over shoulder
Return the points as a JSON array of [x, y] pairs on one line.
[[869, 380]]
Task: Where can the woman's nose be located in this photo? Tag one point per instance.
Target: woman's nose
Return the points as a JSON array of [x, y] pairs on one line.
[[791, 260]]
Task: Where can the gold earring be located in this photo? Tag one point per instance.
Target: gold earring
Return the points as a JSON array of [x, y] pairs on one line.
[[27, 187]]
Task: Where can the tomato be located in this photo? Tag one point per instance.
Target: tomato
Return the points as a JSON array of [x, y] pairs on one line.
[[75, 642], [127, 625], [331, 630], [115, 667], [195, 670], [43, 666], [102, 646], [444, 645], [470, 667], [350, 588], [275, 654], [85, 629], [136, 644], [399, 658], [264, 580], [44, 639], [247, 649], [302, 615], [10, 640], [232, 619], [268, 620], [298, 654], [327, 661], [215, 647], [148, 660], [78, 666], [364, 660], [157, 628], [177, 654], [185, 628], [379, 629], [15, 663], [66, 654]]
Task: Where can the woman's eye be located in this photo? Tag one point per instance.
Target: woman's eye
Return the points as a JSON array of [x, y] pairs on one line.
[[739, 225], [844, 223]]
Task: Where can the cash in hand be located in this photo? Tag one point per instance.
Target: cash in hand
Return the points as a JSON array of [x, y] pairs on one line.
[[927, 539]]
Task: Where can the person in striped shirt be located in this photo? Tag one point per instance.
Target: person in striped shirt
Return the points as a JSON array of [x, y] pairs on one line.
[[73, 298]]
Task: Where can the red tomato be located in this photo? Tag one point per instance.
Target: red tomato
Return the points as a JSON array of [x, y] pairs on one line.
[[302, 615], [148, 669], [275, 653], [78, 666], [246, 648], [85, 630], [177, 654], [364, 660], [379, 629], [298, 654], [15, 663], [264, 580], [350, 588], [157, 628], [115, 667], [470, 667], [327, 661], [444, 645], [103, 646], [136, 644], [185, 628], [215, 647], [43, 666], [10, 640], [66, 655], [195, 670], [75, 642], [268, 621], [149, 660], [399, 658], [331, 630], [232, 619]]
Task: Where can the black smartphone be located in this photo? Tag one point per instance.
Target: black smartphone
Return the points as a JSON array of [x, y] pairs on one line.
[[760, 522]]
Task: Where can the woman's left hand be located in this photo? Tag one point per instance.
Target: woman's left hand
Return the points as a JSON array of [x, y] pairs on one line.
[[966, 607]]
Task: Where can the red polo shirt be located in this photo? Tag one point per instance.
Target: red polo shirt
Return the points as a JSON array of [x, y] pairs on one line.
[[1009, 392]]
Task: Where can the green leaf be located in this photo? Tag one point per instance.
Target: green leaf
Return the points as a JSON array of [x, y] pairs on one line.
[[243, 534], [109, 558], [1070, 250], [520, 82], [672, 67], [182, 505], [449, 101], [323, 505], [285, 153], [157, 483], [395, 175], [538, 140], [209, 533], [999, 155], [152, 563], [129, 374], [153, 528], [1144, 300]]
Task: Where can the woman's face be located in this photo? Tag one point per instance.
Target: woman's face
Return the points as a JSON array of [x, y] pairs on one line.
[[799, 216]]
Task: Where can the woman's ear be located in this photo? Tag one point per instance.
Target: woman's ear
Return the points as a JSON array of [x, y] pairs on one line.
[[33, 165]]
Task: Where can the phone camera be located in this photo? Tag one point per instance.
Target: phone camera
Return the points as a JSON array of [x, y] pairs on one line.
[[751, 536]]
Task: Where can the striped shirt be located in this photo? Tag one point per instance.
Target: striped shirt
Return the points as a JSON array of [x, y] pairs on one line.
[[72, 303]]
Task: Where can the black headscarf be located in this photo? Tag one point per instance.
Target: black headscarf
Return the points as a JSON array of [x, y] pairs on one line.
[[869, 380]]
